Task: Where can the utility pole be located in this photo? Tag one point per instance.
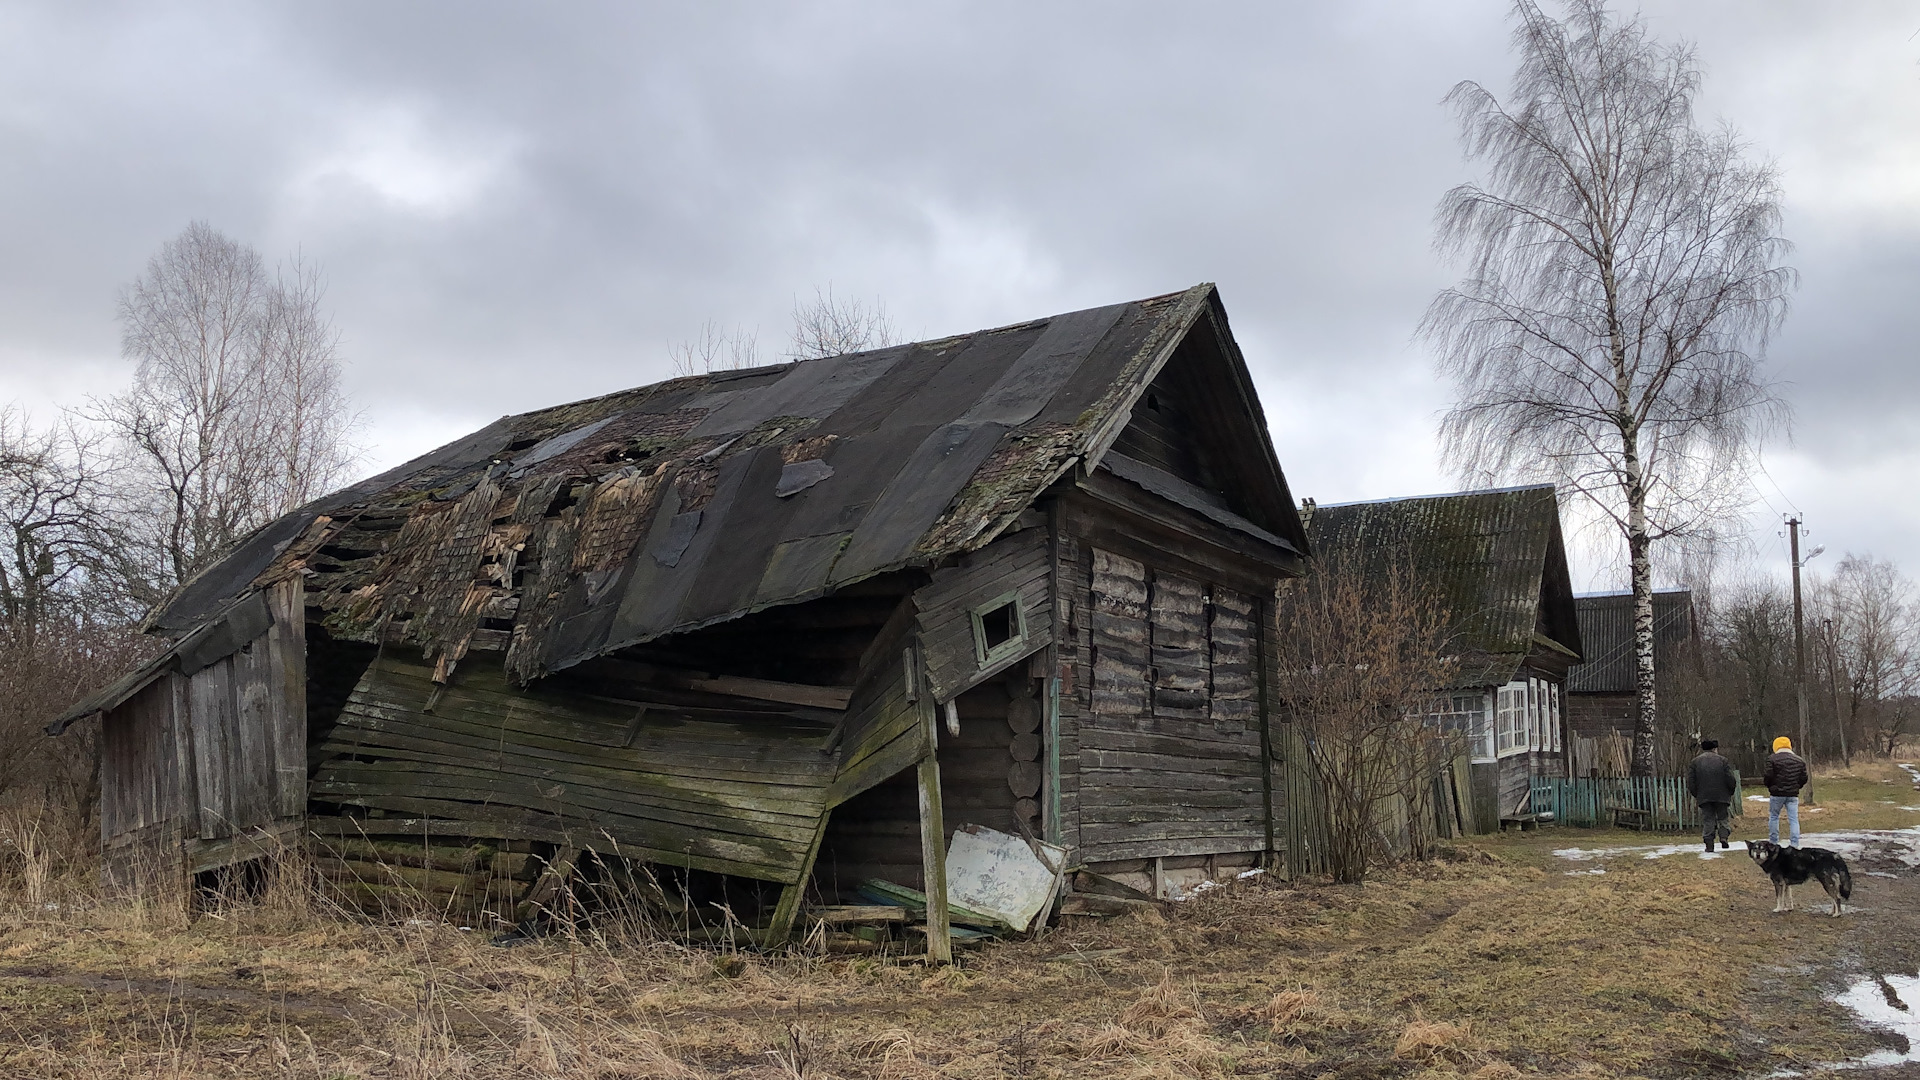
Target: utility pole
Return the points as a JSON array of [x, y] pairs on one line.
[[1833, 683], [1799, 650]]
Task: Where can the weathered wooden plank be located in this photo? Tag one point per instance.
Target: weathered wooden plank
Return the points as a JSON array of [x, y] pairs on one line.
[[1191, 779], [743, 808], [471, 742], [629, 837], [933, 857], [345, 779], [905, 749], [1160, 737], [253, 799], [1120, 639], [1243, 831], [1231, 640], [819, 697], [210, 693], [1117, 850], [286, 647]]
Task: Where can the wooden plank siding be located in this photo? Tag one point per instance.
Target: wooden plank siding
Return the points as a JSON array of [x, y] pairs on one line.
[[209, 755], [1017, 563], [717, 788], [1161, 772]]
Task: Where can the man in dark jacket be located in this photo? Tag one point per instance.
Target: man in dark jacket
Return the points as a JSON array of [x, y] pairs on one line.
[[1786, 774], [1711, 782]]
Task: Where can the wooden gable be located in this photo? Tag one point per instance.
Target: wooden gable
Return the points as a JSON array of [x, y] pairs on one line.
[[1199, 420]]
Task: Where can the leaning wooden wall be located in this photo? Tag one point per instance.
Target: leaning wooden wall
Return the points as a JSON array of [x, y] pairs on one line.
[[666, 776]]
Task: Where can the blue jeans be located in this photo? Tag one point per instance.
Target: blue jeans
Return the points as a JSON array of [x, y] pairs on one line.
[[1791, 804]]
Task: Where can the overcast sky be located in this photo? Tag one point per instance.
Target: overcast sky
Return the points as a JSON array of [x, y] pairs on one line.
[[517, 205]]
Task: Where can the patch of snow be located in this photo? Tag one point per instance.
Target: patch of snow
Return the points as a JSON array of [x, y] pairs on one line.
[[1758, 798], [1580, 873], [1257, 871], [1869, 1002], [1900, 844]]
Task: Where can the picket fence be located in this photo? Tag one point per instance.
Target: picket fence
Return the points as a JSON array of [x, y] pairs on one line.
[[1590, 801]]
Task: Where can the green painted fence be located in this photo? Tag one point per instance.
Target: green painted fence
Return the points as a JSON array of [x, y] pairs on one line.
[[1590, 801]]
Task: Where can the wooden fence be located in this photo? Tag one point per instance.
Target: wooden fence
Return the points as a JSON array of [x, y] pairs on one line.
[[1590, 801]]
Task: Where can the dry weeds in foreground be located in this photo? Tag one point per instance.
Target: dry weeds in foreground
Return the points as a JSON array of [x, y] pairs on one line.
[[1495, 964]]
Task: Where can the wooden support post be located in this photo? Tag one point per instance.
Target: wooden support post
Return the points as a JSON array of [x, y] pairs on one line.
[[933, 861], [791, 896], [1159, 877]]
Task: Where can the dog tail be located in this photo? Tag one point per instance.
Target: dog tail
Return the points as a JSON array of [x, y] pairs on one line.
[[1846, 882]]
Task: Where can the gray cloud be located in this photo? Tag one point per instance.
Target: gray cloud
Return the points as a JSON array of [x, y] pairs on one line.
[[517, 206]]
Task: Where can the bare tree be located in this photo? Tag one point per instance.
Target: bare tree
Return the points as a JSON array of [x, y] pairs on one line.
[[715, 350], [236, 413], [65, 621], [832, 326], [1876, 643], [1622, 282], [1362, 659], [61, 542]]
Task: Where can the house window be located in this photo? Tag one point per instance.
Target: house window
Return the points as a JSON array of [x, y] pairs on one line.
[[1510, 720], [999, 629], [1536, 715], [1464, 716], [1553, 690]]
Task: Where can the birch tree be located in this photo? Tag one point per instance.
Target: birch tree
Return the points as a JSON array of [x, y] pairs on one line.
[[1622, 279], [236, 414]]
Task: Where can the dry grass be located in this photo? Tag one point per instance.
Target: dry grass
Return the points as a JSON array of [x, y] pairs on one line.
[[1494, 964]]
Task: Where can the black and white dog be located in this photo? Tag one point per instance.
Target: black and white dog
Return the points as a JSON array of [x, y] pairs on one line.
[[1793, 866]]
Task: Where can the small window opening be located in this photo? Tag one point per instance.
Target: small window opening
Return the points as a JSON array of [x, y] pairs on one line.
[[1153, 403], [998, 628]]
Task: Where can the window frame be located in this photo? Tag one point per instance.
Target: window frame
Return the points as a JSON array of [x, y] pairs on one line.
[[985, 655]]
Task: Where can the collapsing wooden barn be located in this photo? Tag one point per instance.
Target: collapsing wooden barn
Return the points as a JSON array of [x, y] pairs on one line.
[[787, 625], [1497, 561]]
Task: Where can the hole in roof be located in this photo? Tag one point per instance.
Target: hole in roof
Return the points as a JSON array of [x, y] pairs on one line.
[[1153, 403], [520, 444]]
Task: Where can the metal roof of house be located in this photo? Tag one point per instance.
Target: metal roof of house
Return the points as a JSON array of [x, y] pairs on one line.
[[1495, 558], [1606, 627], [588, 527]]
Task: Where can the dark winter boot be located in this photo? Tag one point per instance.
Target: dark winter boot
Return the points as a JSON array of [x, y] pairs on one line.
[[1723, 844], [1709, 845]]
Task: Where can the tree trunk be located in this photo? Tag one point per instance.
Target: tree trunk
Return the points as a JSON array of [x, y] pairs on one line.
[[1640, 550]]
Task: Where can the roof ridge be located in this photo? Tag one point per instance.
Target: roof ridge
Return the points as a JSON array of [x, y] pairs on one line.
[[1437, 495]]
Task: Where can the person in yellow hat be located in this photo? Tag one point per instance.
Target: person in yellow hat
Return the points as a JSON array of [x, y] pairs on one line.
[[1785, 774]]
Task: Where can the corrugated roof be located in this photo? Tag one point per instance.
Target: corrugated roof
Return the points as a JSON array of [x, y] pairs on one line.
[[1494, 558], [1606, 627], [592, 526]]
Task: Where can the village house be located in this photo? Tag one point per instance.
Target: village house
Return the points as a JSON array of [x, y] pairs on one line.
[[764, 635], [1497, 562], [1602, 695]]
